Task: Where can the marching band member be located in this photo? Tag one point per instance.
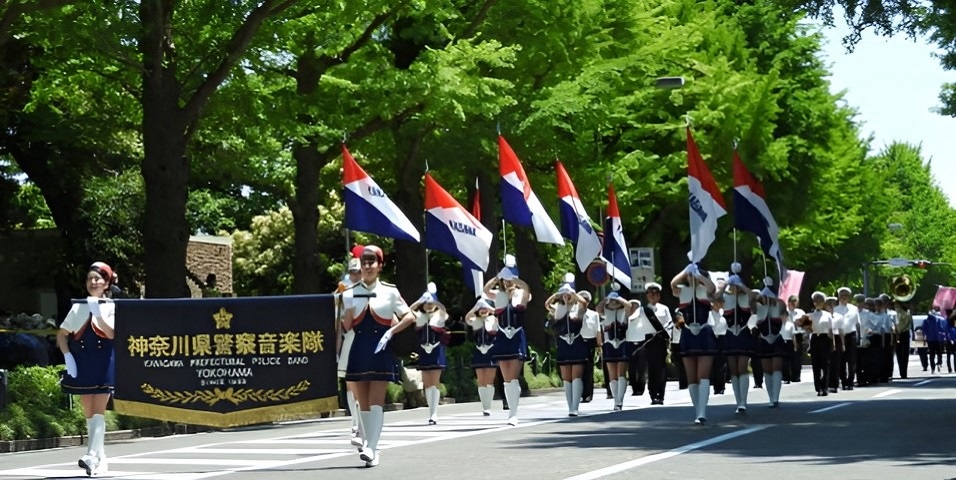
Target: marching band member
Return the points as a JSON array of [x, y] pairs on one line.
[[821, 341], [615, 311], [889, 338], [655, 347], [718, 373], [483, 322], [511, 296], [904, 333], [344, 344], [376, 311], [870, 325], [430, 317], [86, 340], [935, 336], [591, 332], [698, 344], [836, 356], [739, 342], [850, 327], [799, 337], [771, 348], [567, 310]]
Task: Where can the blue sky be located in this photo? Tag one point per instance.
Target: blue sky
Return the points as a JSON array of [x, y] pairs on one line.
[[894, 84]]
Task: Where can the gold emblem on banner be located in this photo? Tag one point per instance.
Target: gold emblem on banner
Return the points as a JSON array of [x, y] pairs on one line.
[[214, 396], [223, 319]]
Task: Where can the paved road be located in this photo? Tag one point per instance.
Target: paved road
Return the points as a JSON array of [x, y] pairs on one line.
[[905, 429]]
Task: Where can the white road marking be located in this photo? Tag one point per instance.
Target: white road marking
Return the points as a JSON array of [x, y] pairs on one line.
[[831, 407], [924, 382], [887, 393], [665, 455]]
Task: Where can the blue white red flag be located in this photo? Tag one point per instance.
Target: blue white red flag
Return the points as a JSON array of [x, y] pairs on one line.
[[752, 214], [615, 249], [451, 229], [520, 205], [368, 208], [706, 203], [575, 223], [475, 279]]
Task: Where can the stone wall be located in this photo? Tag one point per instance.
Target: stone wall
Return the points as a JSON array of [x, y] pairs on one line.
[[209, 254]]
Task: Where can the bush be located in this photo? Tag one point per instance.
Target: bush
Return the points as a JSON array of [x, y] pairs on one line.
[[38, 387], [459, 378], [394, 393]]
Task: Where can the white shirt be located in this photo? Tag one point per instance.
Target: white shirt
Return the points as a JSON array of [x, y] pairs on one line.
[[435, 319], [80, 312], [851, 318], [794, 315], [384, 306], [591, 325], [836, 322], [894, 321], [639, 326], [718, 322], [786, 331], [870, 323], [821, 322]]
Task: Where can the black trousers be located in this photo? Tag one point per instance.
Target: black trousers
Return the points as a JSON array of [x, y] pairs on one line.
[[679, 365], [836, 363], [588, 378], [903, 353], [796, 361], [637, 369], [935, 356], [923, 353], [820, 348], [850, 351], [756, 366], [874, 359], [656, 353], [718, 373], [886, 371]]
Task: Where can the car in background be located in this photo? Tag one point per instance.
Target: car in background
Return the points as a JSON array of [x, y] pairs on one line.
[[917, 341]]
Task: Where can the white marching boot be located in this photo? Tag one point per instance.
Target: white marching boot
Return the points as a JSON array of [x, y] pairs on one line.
[[373, 420], [97, 464], [358, 437], [577, 389], [702, 403], [567, 397], [693, 390], [486, 393], [621, 393], [614, 393], [513, 394], [777, 380], [744, 390], [432, 397]]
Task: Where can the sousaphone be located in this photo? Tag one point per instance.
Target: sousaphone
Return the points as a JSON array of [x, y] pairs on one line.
[[902, 288]]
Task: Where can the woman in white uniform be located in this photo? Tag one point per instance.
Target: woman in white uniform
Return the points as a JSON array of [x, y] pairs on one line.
[[483, 322], [511, 296], [376, 311], [615, 311], [430, 317], [567, 311], [344, 344], [698, 342], [86, 340]]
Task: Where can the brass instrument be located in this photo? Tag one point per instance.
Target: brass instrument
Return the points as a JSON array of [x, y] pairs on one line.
[[902, 288]]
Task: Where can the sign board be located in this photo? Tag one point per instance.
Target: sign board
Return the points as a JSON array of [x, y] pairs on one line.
[[226, 361], [642, 267]]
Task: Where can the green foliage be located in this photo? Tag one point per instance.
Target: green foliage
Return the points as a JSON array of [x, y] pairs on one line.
[[38, 407], [394, 393], [36, 386], [459, 378]]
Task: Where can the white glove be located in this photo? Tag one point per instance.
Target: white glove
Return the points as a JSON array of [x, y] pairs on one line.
[[94, 304], [692, 269], [384, 341], [70, 364]]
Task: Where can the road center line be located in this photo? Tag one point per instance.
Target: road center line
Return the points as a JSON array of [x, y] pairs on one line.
[[887, 393], [831, 407], [665, 455]]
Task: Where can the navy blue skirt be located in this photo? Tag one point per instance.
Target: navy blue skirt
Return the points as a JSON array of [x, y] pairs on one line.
[[483, 341], [778, 348], [704, 343], [575, 353], [364, 364], [620, 354], [514, 348], [432, 361], [744, 344], [94, 365]]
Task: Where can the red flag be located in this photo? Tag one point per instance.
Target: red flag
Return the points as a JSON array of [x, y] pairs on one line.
[[475, 203]]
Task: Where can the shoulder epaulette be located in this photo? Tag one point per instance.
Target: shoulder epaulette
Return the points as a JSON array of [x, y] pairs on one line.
[[387, 284]]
